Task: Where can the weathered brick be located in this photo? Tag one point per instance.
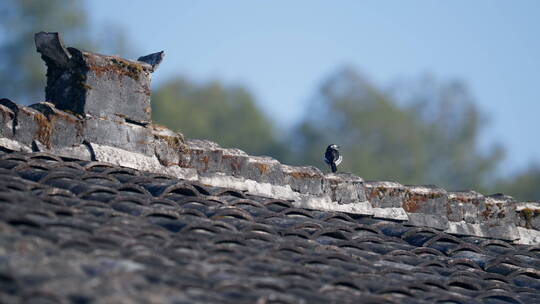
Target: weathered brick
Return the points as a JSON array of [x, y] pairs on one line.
[[344, 188], [168, 145], [464, 206], [121, 135], [425, 199], [66, 128], [385, 194], [6, 120], [97, 85], [263, 169], [204, 156], [499, 210], [306, 180], [528, 215]]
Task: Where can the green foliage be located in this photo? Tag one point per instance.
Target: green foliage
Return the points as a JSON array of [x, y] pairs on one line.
[[22, 73], [413, 142], [524, 186], [227, 115]]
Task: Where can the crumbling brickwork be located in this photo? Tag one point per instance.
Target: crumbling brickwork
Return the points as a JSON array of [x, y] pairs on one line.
[[103, 115]]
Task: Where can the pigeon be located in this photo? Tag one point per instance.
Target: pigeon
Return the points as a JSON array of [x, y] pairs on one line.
[[332, 157]]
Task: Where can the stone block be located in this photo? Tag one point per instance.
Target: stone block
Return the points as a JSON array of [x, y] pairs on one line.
[[306, 180], [66, 128], [263, 169], [127, 136], [97, 85], [233, 162], [203, 155], [391, 213], [138, 161], [344, 188], [169, 146], [499, 210], [436, 221], [528, 236], [82, 151], [385, 194], [464, 206], [528, 215], [7, 118], [13, 145], [325, 203], [425, 199], [505, 232], [28, 124]]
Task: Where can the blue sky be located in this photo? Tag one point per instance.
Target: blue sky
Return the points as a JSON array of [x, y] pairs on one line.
[[281, 50]]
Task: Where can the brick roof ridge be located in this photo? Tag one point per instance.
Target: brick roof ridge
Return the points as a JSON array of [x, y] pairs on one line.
[[125, 136]]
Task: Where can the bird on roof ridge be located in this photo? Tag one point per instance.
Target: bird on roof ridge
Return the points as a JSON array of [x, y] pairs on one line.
[[332, 157]]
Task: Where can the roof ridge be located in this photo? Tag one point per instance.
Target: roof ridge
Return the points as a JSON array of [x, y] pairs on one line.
[[163, 151], [83, 129]]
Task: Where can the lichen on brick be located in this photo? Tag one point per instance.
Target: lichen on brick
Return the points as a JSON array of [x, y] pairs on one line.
[[301, 174], [528, 214], [205, 160], [381, 192], [175, 142], [234, 162], [263, 168], [44, 129], [114, 65]]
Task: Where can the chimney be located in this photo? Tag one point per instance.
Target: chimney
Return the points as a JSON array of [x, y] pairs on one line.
[[97, 85]]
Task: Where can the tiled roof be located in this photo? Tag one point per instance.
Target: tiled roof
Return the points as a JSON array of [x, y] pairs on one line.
[[76, 231], [98, 205], [99, 109]]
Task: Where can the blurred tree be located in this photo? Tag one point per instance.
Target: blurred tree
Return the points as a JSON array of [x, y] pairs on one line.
[[429, 139], [22, 72], [453, 123], [227, 115], [524, 186]]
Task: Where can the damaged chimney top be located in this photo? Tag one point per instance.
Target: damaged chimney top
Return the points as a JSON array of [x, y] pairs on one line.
[[97, 85]]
